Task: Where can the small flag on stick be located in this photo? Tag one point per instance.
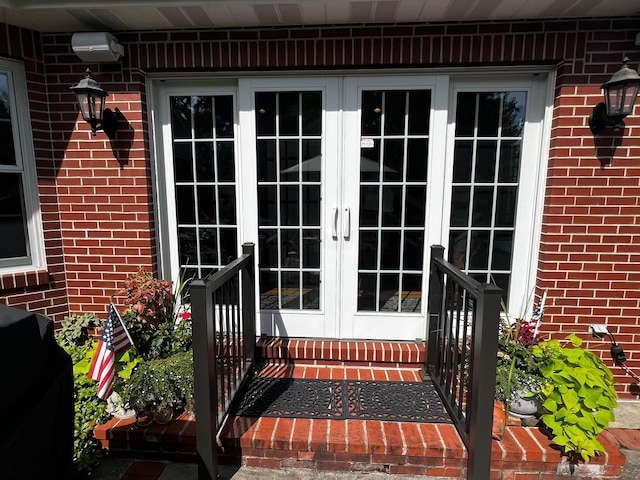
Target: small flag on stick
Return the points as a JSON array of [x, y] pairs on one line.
[[115, 338], [538, 313]]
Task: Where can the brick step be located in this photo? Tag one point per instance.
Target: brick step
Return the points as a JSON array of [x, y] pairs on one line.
[[341, 352], [353, 445]]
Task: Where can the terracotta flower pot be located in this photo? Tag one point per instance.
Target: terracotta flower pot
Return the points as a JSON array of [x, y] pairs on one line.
[[499, 419]]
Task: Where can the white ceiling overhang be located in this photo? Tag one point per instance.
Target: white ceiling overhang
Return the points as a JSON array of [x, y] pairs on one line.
[[120, 15]]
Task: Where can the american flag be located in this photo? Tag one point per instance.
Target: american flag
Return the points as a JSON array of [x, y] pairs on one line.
[[538, 313], [114, 339]]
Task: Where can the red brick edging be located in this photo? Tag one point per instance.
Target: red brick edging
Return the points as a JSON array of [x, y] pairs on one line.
[[349, 445]]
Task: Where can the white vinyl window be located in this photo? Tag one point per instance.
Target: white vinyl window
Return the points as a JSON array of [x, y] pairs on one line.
[[22, 246]]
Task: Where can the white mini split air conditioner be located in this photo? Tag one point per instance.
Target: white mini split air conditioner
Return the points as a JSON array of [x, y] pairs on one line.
[[96, 47]]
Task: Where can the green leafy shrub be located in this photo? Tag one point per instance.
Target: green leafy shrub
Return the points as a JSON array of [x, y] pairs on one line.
[[161, 382], [89, 409], [75, 329], [578, 395]]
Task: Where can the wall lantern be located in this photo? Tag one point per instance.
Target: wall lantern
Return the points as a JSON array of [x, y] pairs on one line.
[[620, 94], [91, 102]]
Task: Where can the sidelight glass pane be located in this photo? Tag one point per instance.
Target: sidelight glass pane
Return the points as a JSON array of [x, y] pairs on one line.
[[228, 245], [479, 250], [413, 250], [187, 245], [486, 161], [205, 192], [224, 116], [482, 207], [182, 162], [204, 162], [181, 117], [208, 240], [509, 161], [489, 129], [411, 295], [506, 206], [203, 117], [207, 205], [513, 114], [225, 159], [227, 204], [488, 114], [185, 203], [502, 247]]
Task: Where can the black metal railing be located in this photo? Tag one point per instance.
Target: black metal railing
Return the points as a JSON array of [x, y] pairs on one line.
[[224, 344], [462, 332]]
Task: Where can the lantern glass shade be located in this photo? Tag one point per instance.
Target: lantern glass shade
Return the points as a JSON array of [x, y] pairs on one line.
[[620, 98], [91, 101]]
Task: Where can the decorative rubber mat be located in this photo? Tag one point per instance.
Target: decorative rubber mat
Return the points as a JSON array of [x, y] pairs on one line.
[[342, 399]]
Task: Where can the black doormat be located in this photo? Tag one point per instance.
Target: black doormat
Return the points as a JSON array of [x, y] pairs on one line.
[[341, 399]]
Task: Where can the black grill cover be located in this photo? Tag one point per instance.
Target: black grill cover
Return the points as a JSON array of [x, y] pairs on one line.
[[36, 399]]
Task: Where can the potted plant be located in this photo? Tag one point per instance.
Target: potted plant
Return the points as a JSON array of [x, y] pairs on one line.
[[160, 325], [578, 396]]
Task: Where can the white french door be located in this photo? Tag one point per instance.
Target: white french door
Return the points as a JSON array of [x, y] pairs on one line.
[[341, 168], [343, 183]]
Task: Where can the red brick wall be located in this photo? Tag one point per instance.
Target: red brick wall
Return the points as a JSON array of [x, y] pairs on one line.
[[588, 260]]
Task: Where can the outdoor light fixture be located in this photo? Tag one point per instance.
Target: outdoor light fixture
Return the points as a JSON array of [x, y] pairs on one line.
[[620, 94], [91, 101]]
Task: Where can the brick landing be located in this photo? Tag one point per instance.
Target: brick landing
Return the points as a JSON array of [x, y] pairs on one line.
[[351, 445]]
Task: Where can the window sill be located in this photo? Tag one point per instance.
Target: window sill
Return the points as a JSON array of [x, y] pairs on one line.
[[30, 278]]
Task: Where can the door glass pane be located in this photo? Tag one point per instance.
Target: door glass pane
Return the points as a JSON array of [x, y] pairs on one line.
[[289, 156], [487, 154], [205, 190], [394, 129]]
